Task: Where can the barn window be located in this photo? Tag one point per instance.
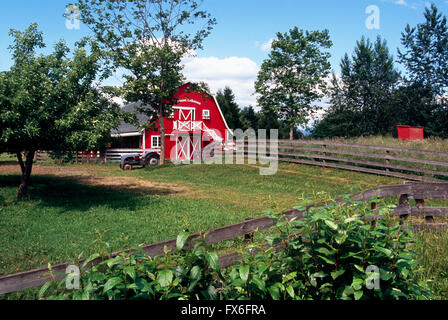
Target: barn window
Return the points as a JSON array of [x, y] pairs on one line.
[[155, 142], [206, 114]]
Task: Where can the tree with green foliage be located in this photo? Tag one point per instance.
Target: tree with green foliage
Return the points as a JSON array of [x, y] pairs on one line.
[[249, 118], [148, 39], [229, 107], [293, 76], [425, 57], [270, 121], [425, 54], [361, 98], [52, 102]]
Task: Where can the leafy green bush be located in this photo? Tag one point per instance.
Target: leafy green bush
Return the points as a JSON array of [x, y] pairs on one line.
[[324, 256]]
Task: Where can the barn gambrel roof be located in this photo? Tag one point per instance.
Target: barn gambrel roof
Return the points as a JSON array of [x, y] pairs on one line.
[[130, 128]]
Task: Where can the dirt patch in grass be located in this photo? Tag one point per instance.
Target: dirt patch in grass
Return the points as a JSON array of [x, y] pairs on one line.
[[86, 175], [136, 185]]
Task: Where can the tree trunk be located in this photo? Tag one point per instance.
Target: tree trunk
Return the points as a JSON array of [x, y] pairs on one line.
[[26, 172], [162, 137], [291, 133]]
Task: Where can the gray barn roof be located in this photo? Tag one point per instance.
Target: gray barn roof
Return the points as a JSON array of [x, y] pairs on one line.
[[129, 128]]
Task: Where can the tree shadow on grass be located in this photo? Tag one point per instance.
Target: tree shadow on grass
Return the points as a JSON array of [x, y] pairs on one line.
[[8, 163], [71, 194]]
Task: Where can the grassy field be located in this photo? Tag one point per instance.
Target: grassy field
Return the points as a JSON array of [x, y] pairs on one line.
[[69, 206], [431, 144], [66, 205]]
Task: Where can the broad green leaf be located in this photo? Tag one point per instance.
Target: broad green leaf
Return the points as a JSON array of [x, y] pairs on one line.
[[290, 291], [112, 262], [259, 283], [348, 291], [359, 268], [358, 294], [181, 240], [331, 224], [327, 260], [144, 286], [274, 291], [357, 283], [262, 266], [213, 261], [90, 259], [324, 251], [387, 252], [130, 271], [44, 289], [165, 278], [244, 272], [195, 273], [112, 283], [319, 274], [337, 274]]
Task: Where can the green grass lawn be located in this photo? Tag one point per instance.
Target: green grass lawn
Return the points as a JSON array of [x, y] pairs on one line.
[[59, 219], [68, 206]]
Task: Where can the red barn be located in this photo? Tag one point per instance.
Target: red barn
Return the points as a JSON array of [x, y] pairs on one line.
[[197, 121]]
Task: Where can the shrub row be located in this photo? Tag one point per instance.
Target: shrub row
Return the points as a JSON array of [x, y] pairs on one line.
[[333, 253]]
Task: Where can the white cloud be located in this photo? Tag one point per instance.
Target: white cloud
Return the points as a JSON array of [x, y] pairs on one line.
[[397, 2], [238, 73], [264, 46], [267, 46]]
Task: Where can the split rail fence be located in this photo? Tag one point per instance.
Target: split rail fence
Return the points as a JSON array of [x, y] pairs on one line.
[[408, 164], [81, 157], [416, 191]]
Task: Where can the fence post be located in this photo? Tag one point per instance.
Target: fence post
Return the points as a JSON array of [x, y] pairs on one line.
[[250, 236], [102, 156], [420, 204], [387, 160], [403, 202], [324, 153]]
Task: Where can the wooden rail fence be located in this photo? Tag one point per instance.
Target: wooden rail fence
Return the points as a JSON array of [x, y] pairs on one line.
[[417, 191], [428, 166], [392, 161], [91, 157]]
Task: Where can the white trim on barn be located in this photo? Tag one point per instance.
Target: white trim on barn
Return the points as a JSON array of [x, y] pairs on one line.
[[159, 142], [129, 134], [223, 118]]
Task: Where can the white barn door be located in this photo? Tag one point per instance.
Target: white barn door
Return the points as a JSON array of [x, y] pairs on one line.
[[183, 148]]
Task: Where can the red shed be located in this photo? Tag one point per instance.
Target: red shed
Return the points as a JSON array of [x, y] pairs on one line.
[[410, 133], [196, 116]]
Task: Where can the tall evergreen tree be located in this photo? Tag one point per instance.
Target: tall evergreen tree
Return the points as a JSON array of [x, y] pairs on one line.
[[425, 54], [229, 107], [425, 57], [249, 118], [361, 99]]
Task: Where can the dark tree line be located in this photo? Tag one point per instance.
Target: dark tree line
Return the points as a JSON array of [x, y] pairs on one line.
[[248, 118], [371, 97]]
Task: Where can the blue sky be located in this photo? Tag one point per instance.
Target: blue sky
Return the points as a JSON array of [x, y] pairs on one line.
[[238, 45]]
